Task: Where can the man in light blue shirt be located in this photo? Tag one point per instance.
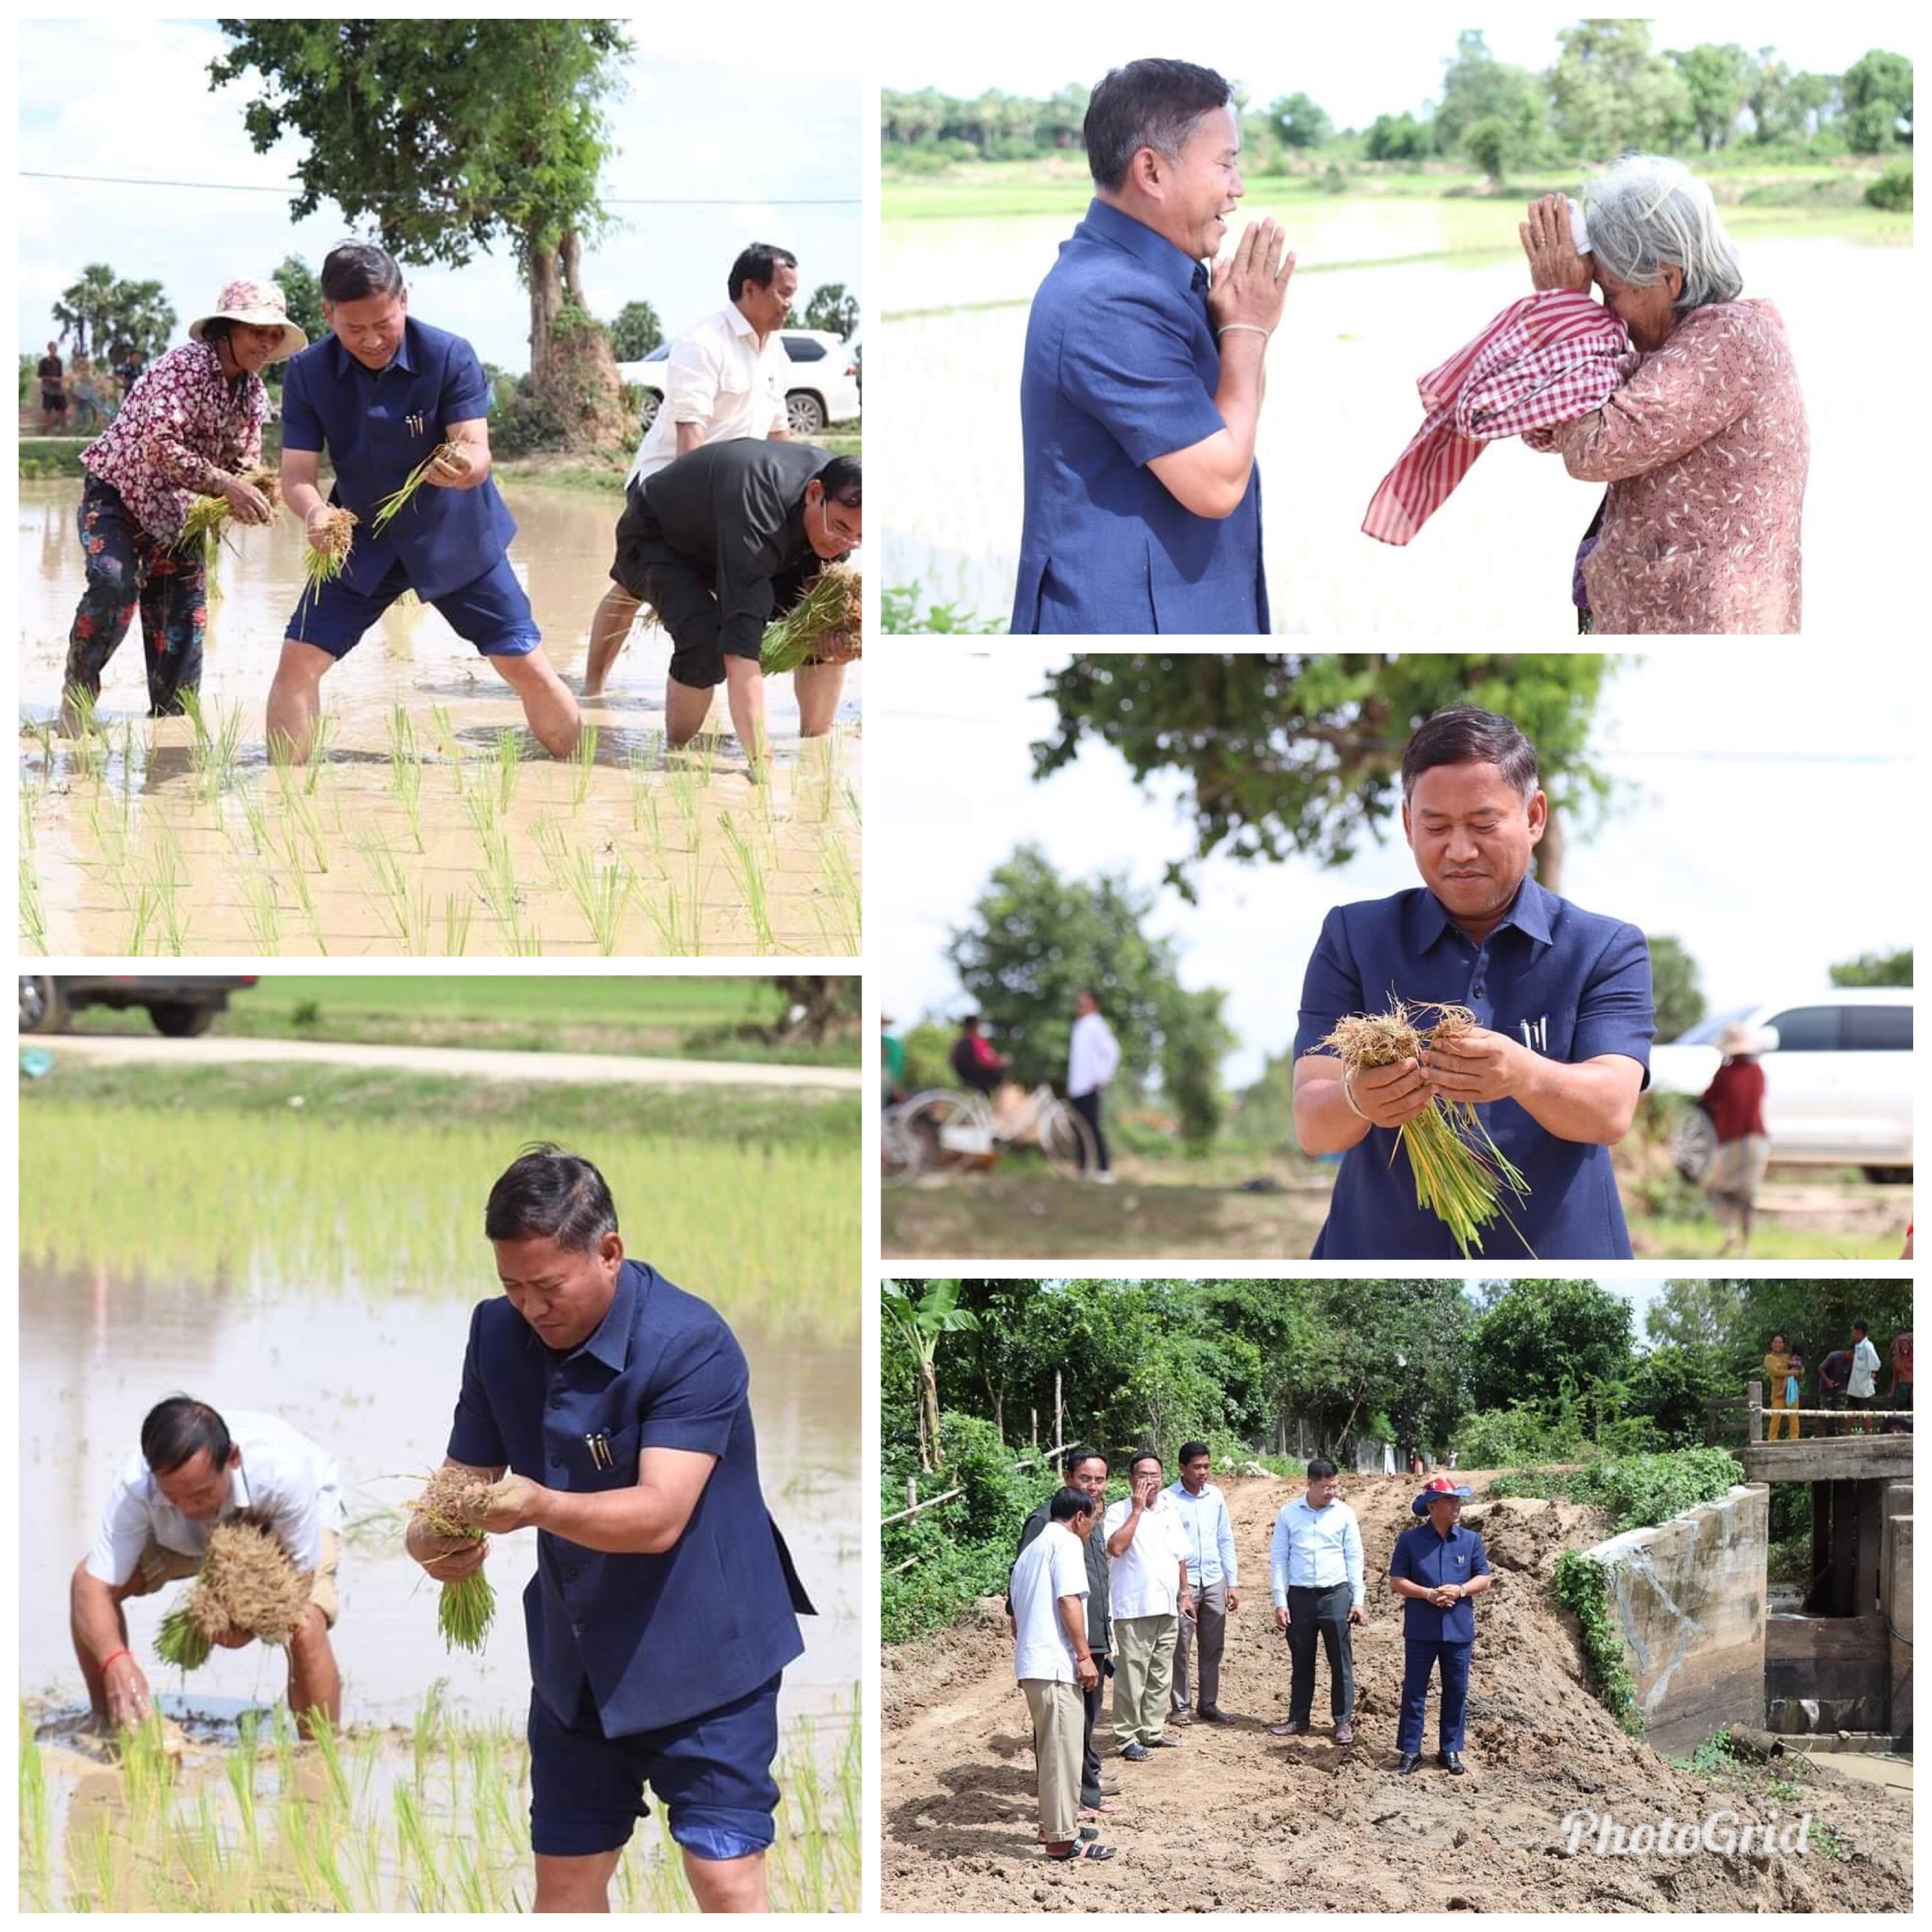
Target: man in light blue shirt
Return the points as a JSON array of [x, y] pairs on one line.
[[1212, 1576], [1315, 1571]]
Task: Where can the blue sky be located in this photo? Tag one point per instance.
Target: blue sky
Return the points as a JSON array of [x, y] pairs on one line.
[[783, 122]]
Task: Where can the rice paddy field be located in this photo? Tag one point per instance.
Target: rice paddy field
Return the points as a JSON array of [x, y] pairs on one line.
[[312, 1247], [1391, 278], [427, 821]]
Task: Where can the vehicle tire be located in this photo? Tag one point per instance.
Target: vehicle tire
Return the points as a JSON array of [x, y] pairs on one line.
[[43, 1007], [1067, 1141], [929, 1121], [179, 1021], [898, 1153], [1888, 1177], [648, 415], [804, 414], [1693, 1144]]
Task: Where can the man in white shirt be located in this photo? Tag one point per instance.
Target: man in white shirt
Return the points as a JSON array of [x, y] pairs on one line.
[[1863, 1386], [1147, 1587], [1093, 1058], [193, 1470], [726, 379], [1053, 1665], [1212, 1577], [1315, 1570]]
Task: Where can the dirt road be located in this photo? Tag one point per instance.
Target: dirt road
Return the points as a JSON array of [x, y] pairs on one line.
[[453, 1063], [1236, 1820]]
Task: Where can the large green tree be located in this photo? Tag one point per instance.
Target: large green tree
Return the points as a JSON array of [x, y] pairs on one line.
[[302, 293], [1610, 91], [636, 331], [453, 136], [833, 310], [1301, 752], [1676, 987], [1536, 1336], [1298, 122], [1738, 1318], [1720, 79], [107, 316], [921, 1314], [1476, 87], [1877, 92], [1874, 969]]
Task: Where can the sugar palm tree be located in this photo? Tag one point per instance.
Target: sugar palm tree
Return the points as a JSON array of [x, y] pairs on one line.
[[921, 1321]]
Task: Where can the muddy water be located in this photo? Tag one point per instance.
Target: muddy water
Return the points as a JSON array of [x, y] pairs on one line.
[[372, 1377], [143, 852]]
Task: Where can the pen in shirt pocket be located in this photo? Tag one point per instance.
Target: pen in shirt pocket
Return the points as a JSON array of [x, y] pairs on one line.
[[1535, 1033]]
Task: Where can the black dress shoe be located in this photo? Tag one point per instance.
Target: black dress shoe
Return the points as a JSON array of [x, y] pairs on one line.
[[1451, 1761], [1411, 1761]]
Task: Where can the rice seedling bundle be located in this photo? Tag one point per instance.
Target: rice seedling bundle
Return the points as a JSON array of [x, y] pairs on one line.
[[1459, 1171], [388, 509], [330, 538], [246, 1583], [468, 1603], [823, 627]]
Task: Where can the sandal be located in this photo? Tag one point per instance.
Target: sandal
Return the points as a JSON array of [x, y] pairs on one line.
[[1073, 1852]]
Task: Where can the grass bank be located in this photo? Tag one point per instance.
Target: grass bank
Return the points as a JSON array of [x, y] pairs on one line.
[[572, 472]]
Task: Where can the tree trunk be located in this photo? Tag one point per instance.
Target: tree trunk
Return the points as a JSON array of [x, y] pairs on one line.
[[929, 1377], [571, 366], [925, 1448], [1549, 852], [546, 299], [570, 256]]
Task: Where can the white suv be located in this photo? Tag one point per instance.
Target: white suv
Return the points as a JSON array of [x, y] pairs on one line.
[[1838, 1078], [823, 386]]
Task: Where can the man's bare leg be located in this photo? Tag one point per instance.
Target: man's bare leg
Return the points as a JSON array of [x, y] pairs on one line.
[[818, 688], [547, 704], [295, 699], [745, 691], [686, 707], [575, 1884], [609, 629], [314, 1682], [728, 1885]]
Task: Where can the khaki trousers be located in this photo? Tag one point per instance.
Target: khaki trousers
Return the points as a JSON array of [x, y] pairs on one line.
[[1059, 1726], [1143, 1674]]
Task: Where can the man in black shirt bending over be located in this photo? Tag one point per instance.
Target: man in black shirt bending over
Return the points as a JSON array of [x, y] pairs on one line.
[[720, 542]]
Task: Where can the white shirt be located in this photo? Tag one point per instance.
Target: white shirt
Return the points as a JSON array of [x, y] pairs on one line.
[[1315, 1549], [1053, 1565], [1093, 1056], [1864, 1366], [1210, 1536], [719, 378], [283, 1477], [1146, 1581]]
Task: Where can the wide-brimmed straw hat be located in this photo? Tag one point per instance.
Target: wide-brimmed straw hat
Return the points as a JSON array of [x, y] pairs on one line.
[[1439, 1486], [1735, 1040], [259, 305]]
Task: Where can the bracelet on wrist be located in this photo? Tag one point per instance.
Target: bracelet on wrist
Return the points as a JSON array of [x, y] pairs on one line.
[[113, 1657], [1252, 328], [1348, 1094]]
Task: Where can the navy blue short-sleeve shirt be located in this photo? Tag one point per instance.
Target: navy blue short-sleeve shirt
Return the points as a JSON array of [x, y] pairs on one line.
[[1424, 1557], [660, 1639], [1579, 981]]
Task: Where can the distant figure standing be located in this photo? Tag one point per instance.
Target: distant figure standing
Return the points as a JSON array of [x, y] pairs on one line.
[[975, 1063], [1147, 1591], [1861, 1390], [1777, 1375], [52, 373], [88, 412], [1735, 1102], [1834, 1372], [128, 371], [1093, 1059], [892, 1061], [1900, 1392]]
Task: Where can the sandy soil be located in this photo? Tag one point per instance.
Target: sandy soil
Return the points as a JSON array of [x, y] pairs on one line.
[[1236, 1820]]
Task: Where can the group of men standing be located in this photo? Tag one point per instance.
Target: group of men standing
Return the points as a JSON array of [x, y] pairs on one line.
[[1141, 1590]]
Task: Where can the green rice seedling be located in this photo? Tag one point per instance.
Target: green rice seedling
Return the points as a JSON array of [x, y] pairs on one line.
[[168, 877], [456, 913], [466, 1606], [642, 757], [480, 808], [685, 796], [300, 822], [262, 907], [89, 755], [444, 727], [582, 765], [33, 921], [392, 505], [405, 914], [139, 902], [239, 1766], [836, 906], [748, 875], [824, 625], [41, 731], [36, 1876], [509, 765], [304, 899], [601, 893], [254, 815], [405, 771], [500, 883], [318, 742], [181, 1641]]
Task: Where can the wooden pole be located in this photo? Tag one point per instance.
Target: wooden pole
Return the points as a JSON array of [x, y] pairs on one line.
[[1754, 1411], [912, 1493], [1059, 1434]]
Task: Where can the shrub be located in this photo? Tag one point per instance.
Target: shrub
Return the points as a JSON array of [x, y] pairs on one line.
[[1583, 1587], [1892, 190], [1502, 1438], [524, 423], [1639, 1490]]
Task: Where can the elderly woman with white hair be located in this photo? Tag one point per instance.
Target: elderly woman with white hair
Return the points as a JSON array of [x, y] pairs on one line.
[[1705, 447]]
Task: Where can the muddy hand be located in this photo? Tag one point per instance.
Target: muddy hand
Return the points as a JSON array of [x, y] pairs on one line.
[[510, 1503], [128, 1698], [450, 468]]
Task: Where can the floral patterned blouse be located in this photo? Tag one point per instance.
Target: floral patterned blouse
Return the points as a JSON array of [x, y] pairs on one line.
[[1705, 450], [183, 424]]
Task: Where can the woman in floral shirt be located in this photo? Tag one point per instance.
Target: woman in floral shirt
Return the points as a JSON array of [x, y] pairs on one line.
[[193, 424]]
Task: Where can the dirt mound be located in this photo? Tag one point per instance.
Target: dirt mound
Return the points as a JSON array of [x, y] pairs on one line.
[[1239, 1821]]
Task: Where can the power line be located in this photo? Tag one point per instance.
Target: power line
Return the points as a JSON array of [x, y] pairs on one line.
[[616, 201]]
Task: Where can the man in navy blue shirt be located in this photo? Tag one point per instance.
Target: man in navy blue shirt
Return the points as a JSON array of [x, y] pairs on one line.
[[382, 391], [610, 1411], [1439, 1567], [1561, 1049], [1141, 389]]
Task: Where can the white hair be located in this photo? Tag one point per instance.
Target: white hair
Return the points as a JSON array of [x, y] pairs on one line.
[[1650, 211]]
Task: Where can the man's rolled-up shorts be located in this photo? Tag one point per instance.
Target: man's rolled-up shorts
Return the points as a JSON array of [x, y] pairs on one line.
[[713, 1774], [491, 612], [160, 1564], [683, 594]]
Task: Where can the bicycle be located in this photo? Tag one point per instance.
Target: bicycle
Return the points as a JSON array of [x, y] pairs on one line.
[[941, 1131]]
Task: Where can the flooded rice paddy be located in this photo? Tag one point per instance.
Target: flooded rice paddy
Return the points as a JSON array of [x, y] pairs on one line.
[[429, 821]]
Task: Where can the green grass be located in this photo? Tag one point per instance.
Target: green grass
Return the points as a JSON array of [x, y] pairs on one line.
[[748, 1198], [699, 1017], [844, 438], [1770, 1242]]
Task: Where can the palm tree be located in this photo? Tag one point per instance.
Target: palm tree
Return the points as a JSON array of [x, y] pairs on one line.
[[921, 1323]]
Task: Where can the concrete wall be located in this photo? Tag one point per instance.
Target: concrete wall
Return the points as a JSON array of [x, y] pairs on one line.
[[1896, 1572], [1689, 1596], [1826, 1674]]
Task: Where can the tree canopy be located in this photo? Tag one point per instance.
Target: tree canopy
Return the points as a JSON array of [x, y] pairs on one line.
[[636, 331], [1676, 987], [1875, 969], [107, 316]]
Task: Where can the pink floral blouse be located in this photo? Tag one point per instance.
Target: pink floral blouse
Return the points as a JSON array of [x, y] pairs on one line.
[[1705, 450], [183, 424]]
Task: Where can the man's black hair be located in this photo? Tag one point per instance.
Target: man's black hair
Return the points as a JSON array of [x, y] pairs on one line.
[[177, 1429], [1188, 1450], [352, 271], [969, 1019], [758, 263], [1465, 735], [842, 481], [1068, 1503], [1139, 1457], [1086, 1453], [1147, 104], [1860, 1328], [1319, 1467], [217, 329], [546, 1192]]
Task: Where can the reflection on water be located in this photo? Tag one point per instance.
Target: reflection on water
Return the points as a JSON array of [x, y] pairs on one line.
[[372, 1376]]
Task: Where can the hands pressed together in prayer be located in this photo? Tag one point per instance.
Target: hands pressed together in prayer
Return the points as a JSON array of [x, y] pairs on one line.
[[1554, 263], [1248, 285]]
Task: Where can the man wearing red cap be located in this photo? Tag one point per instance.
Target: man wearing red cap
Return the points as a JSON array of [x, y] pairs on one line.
[[1438, 1566]]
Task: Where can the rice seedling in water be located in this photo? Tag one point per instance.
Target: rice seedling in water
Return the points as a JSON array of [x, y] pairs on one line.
[[456, 912], [209, 521], [405, 771], [262, 908], [582, 765], [602, 893], [480, 809], [35, 1819], [741, 861], [825, 625], [169, 878], [392, 505], [1459, 1171], [836, 908], [499, 883], [298, 884], [509, 764], [33, 921], [405, 914], [467, 1605], [80, 706]]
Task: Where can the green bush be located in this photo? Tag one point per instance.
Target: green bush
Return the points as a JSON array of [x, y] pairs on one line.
[[523, 423], [900, 612], [1505, 1438], [1583, 1587], [1892, 190], [1639, 1490]]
